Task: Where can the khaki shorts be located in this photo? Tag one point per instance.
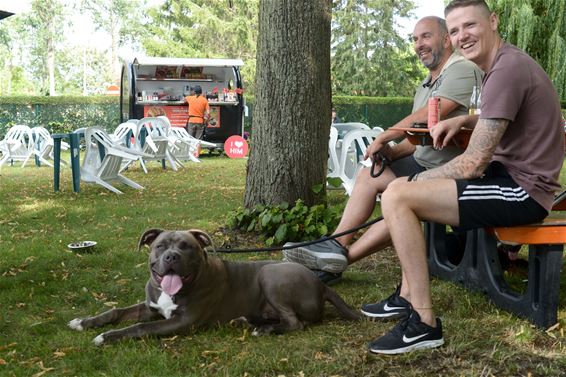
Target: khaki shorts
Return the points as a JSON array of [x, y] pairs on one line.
[[196, 129]]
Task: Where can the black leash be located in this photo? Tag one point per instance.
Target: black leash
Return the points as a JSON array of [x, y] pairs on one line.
[[229, 250], [384, 162], [377, 158]]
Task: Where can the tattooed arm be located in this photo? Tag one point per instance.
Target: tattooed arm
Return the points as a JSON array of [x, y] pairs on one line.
[[476, 157]]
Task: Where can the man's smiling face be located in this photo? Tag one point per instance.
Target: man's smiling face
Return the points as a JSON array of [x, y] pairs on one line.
[[472, 31], [428, 43]]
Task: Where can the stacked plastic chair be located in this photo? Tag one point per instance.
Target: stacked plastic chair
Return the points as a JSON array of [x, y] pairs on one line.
[[152, 140], [103, 160], [17, 145], [184, 147], [43, 145]]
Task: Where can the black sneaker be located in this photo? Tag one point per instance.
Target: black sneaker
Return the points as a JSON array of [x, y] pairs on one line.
[[409, 335], [328, 278], [393, 307], [327, 256]]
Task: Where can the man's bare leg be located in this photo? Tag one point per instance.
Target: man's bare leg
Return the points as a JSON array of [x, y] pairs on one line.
[[374, 239], [361, 203], [404, 204]]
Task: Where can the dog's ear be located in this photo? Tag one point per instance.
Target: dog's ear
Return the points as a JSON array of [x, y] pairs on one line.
[[148, 237], [203, 238]]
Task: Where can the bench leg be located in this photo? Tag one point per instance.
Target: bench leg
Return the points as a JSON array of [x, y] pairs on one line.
[[481, 270], [442, 247], [545, 263], [539, 303]]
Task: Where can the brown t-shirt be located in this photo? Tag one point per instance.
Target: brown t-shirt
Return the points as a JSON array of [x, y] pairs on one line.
[[532, 149]]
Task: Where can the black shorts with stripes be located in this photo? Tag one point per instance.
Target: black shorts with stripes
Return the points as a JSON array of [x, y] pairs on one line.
[[495, 199]]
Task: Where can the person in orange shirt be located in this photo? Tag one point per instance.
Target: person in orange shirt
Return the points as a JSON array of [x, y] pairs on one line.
[[199, 113]]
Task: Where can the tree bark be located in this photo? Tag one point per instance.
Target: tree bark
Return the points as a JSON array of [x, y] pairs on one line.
[[51, 55], [289, 146]]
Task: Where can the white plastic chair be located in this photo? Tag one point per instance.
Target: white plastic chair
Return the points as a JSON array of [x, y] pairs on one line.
[[344, 128], [156, 145], [124, 132], [103, 166], [17, 145], [333, 161], [43, 145], [183, 146], [351, 152]]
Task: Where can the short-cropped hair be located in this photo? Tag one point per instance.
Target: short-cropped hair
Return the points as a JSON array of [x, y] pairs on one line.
[[466, 3]]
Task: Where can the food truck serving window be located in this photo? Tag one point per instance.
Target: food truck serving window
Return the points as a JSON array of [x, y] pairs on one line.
[[158, 86]]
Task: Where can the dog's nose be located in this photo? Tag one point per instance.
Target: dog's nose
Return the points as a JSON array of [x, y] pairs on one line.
[[171, 258]]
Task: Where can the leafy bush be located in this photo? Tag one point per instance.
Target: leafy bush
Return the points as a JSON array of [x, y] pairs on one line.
[[284, 223]]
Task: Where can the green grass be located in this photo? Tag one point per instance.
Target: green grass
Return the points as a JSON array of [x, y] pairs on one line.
[[43, 286]]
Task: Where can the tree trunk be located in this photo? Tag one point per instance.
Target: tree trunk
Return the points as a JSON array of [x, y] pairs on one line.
[[51, 58], [289, 146], [115, 63]]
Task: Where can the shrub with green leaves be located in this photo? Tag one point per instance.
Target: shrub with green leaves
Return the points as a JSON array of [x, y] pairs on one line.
[[283, 223]]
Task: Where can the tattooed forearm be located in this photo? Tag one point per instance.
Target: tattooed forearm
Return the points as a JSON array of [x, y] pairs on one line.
[[474, 160]]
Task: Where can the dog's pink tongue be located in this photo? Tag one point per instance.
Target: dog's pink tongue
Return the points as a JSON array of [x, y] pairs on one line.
[[171, 284]]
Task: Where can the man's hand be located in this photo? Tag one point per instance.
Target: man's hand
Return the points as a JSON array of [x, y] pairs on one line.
[[378, 146], [445, 130]]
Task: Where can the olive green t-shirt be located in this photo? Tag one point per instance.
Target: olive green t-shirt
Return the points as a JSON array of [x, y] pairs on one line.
[[455, 82]]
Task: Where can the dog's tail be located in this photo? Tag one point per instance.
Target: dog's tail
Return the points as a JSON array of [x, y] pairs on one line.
[[346, 311]]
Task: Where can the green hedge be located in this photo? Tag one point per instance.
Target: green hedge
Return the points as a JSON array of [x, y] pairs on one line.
[[373, 111], [60, 114]]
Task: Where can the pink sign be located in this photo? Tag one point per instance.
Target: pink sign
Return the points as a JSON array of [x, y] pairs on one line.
[[236, 147]]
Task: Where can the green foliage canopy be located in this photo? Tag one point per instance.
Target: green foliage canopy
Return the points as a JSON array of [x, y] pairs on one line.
[[205, 29], [369, 57], [539, 28]]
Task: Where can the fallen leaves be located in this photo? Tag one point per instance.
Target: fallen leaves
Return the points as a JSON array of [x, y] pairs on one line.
[[13, 271], [43, 369], [552, 331], [59, 354]]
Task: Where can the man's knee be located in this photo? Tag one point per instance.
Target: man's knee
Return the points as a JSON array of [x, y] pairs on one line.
[[379, 184], [363, 176], [396, 192]]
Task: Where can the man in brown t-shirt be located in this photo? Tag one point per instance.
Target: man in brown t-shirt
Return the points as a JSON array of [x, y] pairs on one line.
[[507, 175]]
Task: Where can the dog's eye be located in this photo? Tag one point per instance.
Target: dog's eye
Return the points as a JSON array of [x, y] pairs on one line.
[[183, 245], [159, 246]]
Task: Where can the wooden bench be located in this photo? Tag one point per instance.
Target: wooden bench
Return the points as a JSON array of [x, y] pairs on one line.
[[480, 268]]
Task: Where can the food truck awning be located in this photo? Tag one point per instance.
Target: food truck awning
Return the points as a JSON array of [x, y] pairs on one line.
[[190, 62]]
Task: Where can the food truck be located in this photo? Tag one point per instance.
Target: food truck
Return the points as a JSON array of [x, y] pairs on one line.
[[157, 86]]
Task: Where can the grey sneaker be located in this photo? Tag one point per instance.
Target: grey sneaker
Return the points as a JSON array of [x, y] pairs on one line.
[[328, 278], [327, 256], [393, 307]]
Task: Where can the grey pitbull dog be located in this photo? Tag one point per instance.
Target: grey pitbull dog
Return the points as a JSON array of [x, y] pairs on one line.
[[187, 287]]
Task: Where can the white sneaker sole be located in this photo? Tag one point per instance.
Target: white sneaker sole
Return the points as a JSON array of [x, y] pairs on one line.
[[329, 262], [395, 315], [417, 346]]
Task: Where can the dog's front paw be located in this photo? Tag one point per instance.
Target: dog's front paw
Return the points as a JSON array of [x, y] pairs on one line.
[[99, 340], [240, 322], [262, 330], [75, 324]]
